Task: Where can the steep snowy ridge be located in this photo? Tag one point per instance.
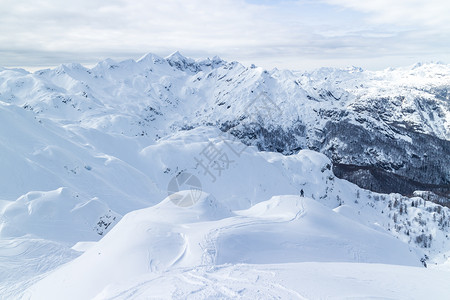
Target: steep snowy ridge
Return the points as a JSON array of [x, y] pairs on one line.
[[176, 178]]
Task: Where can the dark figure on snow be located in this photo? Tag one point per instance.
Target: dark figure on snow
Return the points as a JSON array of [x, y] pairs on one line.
[[302, 193]]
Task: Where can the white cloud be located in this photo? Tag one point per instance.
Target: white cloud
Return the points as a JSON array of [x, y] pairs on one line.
[[294, 34], [429, 13]]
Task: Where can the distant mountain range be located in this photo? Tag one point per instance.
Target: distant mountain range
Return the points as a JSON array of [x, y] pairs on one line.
[[387, 131]]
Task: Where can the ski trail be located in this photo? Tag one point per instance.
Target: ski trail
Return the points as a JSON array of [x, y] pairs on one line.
[[209, 247]]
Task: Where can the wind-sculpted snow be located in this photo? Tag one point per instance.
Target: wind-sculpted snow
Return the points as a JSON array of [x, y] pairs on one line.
[[167, 177]]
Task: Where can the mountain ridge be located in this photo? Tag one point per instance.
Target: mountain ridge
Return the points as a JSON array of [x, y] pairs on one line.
[[391, 120]]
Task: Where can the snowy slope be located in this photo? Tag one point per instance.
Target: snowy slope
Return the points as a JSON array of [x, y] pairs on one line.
[[124, 181], [284, 229], [239, 219], [287, 281]]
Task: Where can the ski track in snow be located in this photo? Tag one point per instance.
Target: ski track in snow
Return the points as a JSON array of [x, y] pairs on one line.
[[209, 246], [25, 261]]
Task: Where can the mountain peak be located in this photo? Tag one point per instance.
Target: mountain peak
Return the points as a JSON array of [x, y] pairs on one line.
[[216, 59], [177, 56], [183, 63], [355, 69], [150, 58]]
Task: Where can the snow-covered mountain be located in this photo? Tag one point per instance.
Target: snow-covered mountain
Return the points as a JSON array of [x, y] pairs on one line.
[[175, 178], [387, 131]]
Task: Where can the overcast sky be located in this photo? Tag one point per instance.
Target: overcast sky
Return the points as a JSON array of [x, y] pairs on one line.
[[294, 34]]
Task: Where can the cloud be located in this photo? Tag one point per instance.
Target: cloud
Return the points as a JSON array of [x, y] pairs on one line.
[[294, 34], [86, 25], [418, 13]]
